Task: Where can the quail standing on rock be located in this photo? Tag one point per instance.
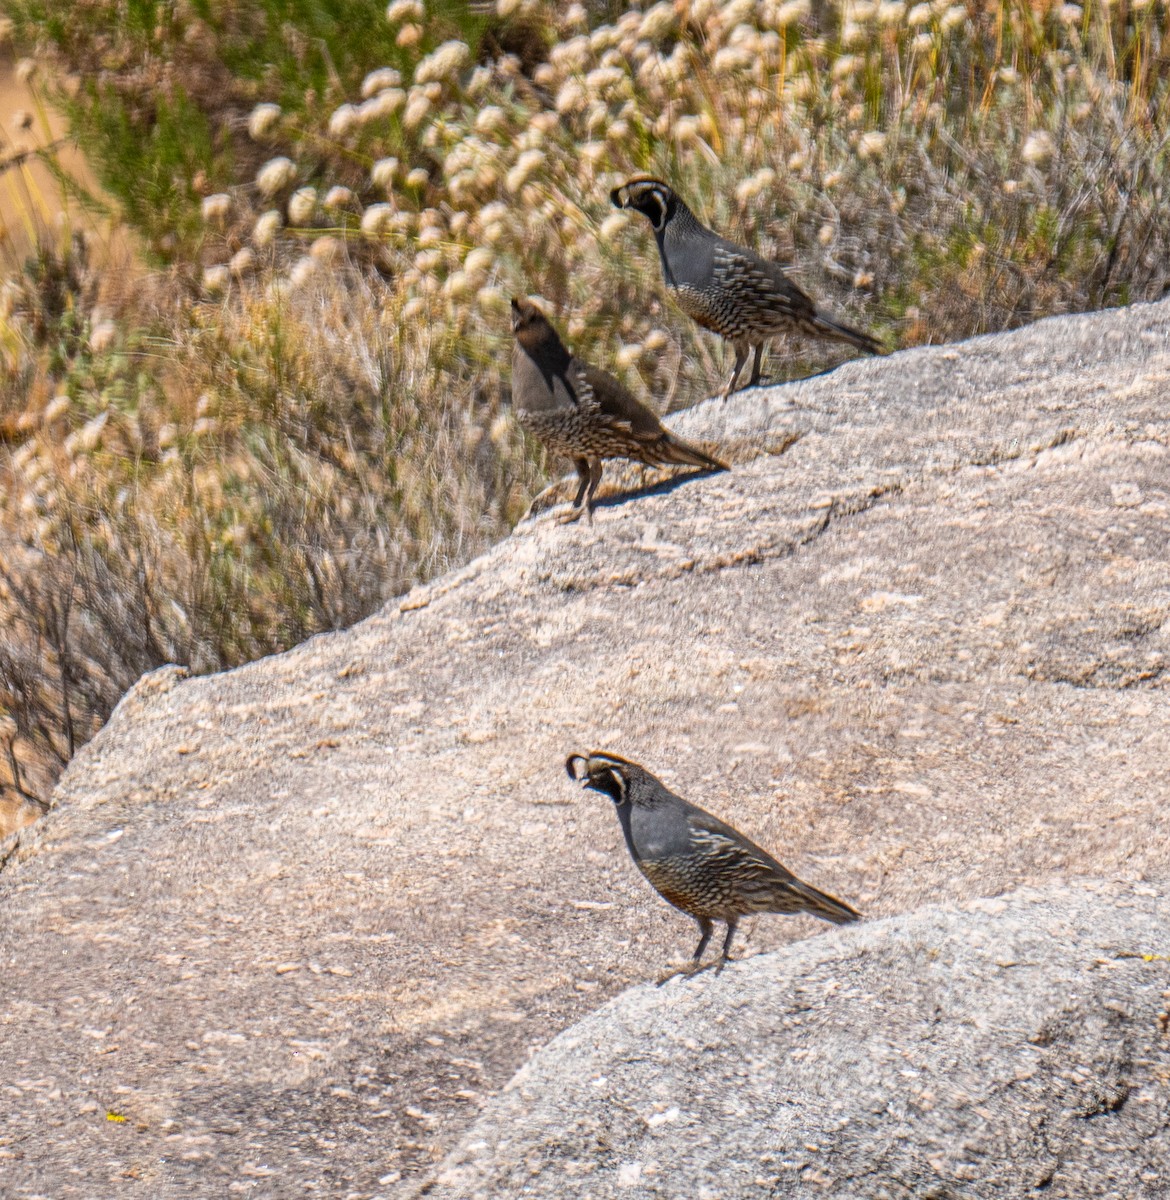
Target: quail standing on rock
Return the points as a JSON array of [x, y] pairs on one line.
[[695, 861], [727, 288], [584, 413]]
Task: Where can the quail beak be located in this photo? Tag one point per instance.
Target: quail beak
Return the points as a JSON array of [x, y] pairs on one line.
[[517, 315], [620, 197]]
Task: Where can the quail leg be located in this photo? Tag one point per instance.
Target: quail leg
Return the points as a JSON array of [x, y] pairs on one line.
[[695, 965], [756, 364], [595, 469], [584, 477], [741, 356], [582, 467], [725, 957], [758, 379], [587, 490]]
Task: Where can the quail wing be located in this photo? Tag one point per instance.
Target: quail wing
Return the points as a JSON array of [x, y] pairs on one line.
[[761, 283], [760, 883], [609, 398]]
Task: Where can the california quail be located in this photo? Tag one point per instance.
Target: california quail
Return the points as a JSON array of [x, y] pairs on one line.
[[727, 288], [584, 413], [693, 860]]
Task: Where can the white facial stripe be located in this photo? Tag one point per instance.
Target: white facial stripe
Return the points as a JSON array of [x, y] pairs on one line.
[[616, 775]]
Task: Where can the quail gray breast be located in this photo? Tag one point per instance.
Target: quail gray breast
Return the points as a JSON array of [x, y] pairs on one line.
[[726, 288], [583, 413], [695, 861]]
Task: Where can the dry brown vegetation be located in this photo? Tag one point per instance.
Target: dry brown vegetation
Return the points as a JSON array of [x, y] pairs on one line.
[[307, 411], [275, 470]]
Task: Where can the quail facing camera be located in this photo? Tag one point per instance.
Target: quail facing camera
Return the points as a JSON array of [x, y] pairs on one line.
[[695, 861], [726, 288], [584, 413]]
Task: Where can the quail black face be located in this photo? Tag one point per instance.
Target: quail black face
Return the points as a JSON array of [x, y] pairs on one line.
[[600, 772], [651, 197]]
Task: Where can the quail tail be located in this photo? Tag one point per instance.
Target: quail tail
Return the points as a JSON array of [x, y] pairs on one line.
[[821, 904], [674, 450], [826, 327]]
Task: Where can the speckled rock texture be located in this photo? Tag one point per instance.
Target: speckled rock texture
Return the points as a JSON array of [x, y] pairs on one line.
[[1007, 1048], [297, 923]]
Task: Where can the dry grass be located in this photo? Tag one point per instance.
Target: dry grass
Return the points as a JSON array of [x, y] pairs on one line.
[[932, 171], [305, 417], [218, 488]]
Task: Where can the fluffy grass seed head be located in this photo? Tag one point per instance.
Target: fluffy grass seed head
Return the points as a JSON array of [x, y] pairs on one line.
[[267, 227], [379, 80], [275, 175], [216, 208], [443, 62], [302, 204], [262, 120], [1038, 149]]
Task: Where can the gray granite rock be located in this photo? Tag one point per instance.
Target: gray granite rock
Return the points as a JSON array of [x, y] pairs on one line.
[[1005, 1048], [296, 923]]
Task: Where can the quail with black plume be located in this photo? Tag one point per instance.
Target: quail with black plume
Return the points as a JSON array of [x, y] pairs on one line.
[[727, 288], [694, 860], [585, 413]]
